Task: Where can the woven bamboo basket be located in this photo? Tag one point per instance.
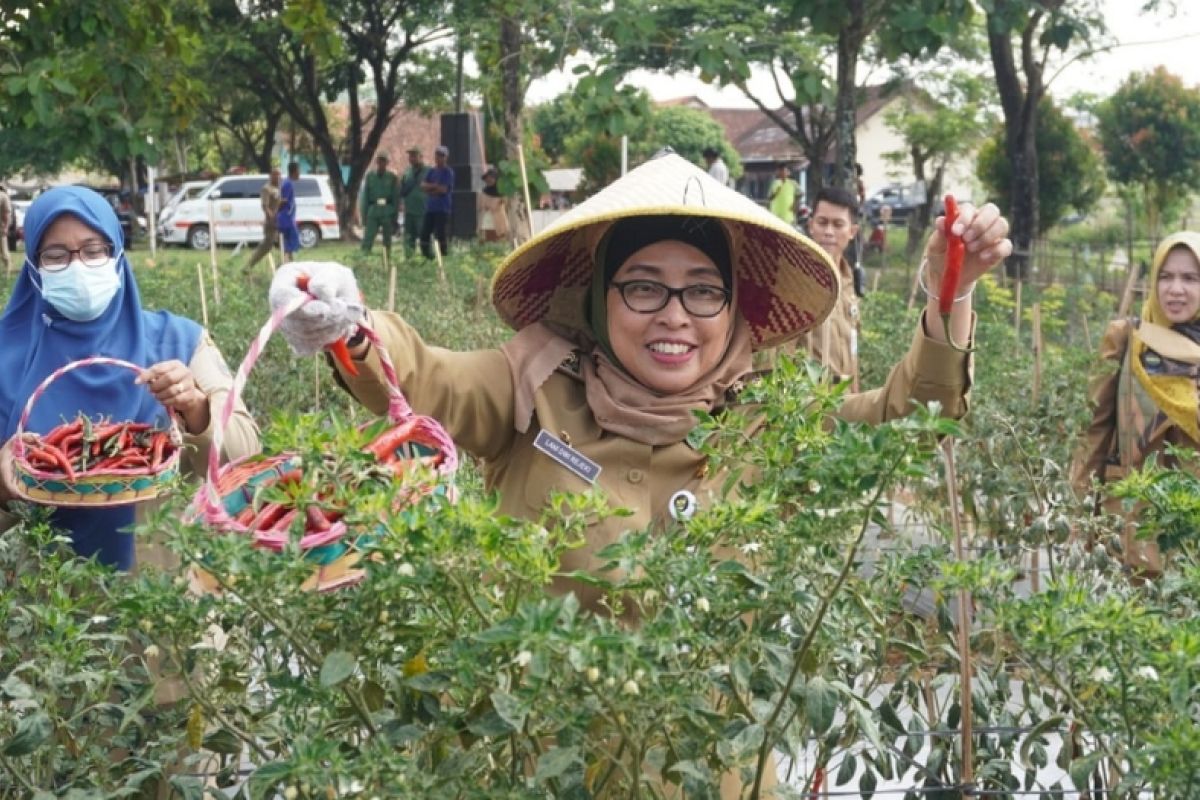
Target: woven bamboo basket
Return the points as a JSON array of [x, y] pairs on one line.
[[96, 488], [335, 553]]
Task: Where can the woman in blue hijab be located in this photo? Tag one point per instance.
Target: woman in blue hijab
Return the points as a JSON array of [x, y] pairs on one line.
[[76, 297]]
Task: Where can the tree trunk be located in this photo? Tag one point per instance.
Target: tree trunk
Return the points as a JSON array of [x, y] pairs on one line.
[[511, 107], [922, 216], [850, 42], [1020, 104]]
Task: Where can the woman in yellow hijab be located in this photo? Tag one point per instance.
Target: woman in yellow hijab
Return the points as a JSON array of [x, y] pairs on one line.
[[1150, 402]]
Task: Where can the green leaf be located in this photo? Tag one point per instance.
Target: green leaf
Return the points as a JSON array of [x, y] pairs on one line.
[[846, 771], [1041, 729], [32, 732], [820, 704], [222, 741], [339, 665], [867, 784], [268, 777], [555, 762], [1082, 768], [510, 709], [188, 787], [889, 717]]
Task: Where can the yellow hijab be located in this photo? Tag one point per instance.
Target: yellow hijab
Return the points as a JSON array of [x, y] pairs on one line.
[[1175, 394]]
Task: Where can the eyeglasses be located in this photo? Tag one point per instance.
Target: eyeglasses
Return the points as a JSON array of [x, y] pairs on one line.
[[699, 300], [56, 257]]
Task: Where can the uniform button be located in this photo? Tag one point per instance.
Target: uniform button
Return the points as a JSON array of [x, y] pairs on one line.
[[635, 475]]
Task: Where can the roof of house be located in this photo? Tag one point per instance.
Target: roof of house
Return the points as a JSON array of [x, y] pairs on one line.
[[757, 137]]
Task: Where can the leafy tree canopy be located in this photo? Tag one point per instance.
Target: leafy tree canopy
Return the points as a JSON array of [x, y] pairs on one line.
[[1073, 170]]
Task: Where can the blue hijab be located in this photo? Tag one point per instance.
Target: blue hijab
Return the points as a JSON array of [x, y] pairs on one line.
[[35, 340]]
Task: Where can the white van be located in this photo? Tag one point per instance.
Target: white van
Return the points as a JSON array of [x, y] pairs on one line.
[[237, 213]]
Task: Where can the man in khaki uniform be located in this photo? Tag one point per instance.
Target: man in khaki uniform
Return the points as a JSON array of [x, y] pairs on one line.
[[269, 199], [834, 343]]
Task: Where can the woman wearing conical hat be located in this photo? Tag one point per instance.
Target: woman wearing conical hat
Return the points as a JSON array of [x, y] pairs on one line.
[[1150, 402], [634, 310]]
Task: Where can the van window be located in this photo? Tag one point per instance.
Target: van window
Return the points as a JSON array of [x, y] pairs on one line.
[[307, 187], [240, 188]]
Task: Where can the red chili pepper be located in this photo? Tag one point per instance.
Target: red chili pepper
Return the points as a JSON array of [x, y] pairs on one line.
[[818, 781], [956, 253], [56, 436], [340, 351], [267, 517], [315, 519], [60, 459], [157, 445]]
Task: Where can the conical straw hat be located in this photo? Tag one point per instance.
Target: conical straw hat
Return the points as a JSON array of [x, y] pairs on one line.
[[784, 283]]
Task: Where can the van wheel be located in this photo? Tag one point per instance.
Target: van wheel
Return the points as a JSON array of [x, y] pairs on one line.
[[197, 237], [310, 235]]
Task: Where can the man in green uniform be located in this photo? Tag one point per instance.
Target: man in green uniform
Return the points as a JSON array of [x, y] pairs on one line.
[[781, 195], [413, 199], [379, 201]]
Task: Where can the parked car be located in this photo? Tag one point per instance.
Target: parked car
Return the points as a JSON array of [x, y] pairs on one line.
[[902, 199], [190, 190], [119, 199], [16, 223], [237, 215]]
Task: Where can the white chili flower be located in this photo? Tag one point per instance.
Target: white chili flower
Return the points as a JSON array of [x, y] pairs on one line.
[[702, 605], [630, 688], [751, 547], [1102, 675], [593, 674], [523, 658], [1147, 672], [406, 570]]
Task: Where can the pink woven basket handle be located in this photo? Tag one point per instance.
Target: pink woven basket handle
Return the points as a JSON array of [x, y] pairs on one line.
[[19, 443], [398, 411]]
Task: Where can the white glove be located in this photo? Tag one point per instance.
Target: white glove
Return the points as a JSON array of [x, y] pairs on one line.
[[335, 313]]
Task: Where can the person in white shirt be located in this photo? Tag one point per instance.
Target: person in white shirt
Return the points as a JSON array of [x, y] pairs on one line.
[[716, 165]]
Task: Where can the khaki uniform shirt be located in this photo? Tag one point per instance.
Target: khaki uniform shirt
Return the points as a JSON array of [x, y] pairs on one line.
[[472, 395], [492, 209], [269, 198], [835, 342], [240, 439], [1120, 438]]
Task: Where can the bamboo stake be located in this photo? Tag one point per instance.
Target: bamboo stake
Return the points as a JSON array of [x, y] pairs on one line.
[[437, 251], [1017, 310], [203, 299], [212, 253], [525, 184], [875, 280], [964, 633], [1130, 280], [1087, 333], [1036, 312], [317, 383], [391, 268], [916, 281]]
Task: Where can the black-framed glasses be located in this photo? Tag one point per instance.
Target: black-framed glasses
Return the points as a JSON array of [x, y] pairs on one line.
[[699, 300], [56, 257]]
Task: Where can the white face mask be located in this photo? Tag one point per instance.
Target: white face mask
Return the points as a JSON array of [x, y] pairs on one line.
[[79, 292]]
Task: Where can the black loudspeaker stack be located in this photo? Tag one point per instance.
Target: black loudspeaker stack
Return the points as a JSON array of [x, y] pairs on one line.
[[460, 133]]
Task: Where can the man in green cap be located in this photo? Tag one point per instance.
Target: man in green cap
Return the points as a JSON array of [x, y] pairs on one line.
[[413, 198], [380, 199]]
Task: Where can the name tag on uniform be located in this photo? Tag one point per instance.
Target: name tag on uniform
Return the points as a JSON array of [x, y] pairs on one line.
[[567, 456], [381, 201]]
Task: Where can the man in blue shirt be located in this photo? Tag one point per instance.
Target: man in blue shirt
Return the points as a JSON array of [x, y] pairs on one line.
[[285, 217], [437, 186]]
